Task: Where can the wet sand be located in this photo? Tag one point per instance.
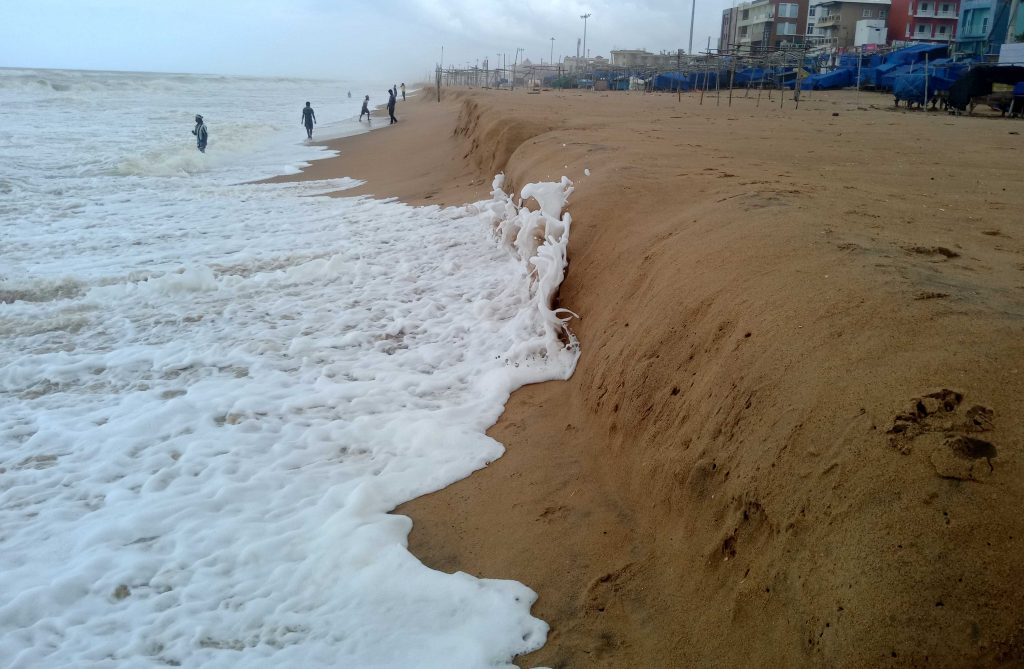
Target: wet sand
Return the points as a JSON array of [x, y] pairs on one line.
[[794, 437]]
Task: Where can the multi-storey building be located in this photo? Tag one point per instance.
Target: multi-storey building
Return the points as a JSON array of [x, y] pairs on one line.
[[728, 36], [845, 24], [764, 24], [814, 10], [982, 27], [923, 20]]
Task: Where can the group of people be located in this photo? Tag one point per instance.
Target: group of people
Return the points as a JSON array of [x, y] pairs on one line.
[[308, 116]]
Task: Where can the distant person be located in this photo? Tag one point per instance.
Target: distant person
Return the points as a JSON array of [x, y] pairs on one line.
[[391, 105], [366, 109], [350, 95], [403, 91], [201, 133], [308, 119]]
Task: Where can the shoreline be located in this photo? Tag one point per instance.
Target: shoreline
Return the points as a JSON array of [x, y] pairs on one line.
[[754, 463], [390, 170]]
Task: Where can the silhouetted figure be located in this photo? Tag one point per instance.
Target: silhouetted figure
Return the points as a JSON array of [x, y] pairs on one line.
[[391, 105], [403, 91], [366, 109], [201, 134], [308, 119]]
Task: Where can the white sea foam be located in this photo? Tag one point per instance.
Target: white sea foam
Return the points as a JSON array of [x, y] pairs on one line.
[[212, 394]]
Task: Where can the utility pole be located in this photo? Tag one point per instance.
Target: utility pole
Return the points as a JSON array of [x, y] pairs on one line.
[[514, 63], [693, 12], [551, 60]]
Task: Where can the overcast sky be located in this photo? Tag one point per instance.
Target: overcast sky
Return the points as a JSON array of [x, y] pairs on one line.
[[338, 39]]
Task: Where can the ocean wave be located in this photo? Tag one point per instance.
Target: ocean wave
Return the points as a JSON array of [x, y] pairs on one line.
[[64, 81], [40, 290], [227, 144]]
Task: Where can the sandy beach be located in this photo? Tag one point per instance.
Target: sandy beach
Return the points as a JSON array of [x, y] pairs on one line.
[[794, 436]]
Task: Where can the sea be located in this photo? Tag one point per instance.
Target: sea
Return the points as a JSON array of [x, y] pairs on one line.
[[213, 392]]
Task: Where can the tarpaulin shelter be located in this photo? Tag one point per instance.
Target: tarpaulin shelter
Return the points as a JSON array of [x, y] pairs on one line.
[[672, 81]]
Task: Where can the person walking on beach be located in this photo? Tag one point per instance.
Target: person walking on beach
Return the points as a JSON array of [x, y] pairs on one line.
[[403, 91], [308, 119], [366, 109], [391, 106], [201, 134]]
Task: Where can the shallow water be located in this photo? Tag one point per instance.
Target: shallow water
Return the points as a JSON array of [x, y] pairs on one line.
[[212, 393]]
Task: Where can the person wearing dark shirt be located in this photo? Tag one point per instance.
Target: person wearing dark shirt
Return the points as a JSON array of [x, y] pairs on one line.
[[201, 134], [391, 105], [366, 109], [308, 119]]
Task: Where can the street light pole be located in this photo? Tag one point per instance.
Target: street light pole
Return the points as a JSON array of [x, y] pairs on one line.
[[585, 17], [693, 12], [551, 60]]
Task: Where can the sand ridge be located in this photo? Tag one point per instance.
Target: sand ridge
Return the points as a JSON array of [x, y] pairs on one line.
[[794, 435]]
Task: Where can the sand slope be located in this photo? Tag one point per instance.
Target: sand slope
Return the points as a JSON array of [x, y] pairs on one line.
[[794, 437]]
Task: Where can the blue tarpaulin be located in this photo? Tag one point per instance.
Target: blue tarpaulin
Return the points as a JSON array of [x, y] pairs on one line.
[[911, 86], [916, 54], [672, 81], [840, 78]]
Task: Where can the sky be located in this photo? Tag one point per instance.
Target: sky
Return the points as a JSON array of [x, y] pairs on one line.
[[334, 39]]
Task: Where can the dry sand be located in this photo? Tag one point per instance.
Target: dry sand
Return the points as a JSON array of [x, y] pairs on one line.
[[794, 437]]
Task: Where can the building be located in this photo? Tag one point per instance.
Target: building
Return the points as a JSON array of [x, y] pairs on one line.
[[814, 35], [643, 58], [1012, 51], [846, 24], [923, 20], [1015, 29], [574, 64], [982, 27], [763, 24], [729, 33]]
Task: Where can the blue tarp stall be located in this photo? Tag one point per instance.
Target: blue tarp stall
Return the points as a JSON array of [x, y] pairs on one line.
[[880, 71], [840, 78], [916, 54], [749, 77], [704, 80], [886, 74], [868, 60], [671, 81], [910, 87], [689, 80]]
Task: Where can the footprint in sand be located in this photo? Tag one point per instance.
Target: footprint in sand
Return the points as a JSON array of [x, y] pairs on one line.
[[939, 422]]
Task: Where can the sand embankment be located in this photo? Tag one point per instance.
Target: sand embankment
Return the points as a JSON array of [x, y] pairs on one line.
[[795, 434]]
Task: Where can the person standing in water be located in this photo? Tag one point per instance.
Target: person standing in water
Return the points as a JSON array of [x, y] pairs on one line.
[[308, 119], [366, 109], [391, 105], [403, 91], [201, 134]]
